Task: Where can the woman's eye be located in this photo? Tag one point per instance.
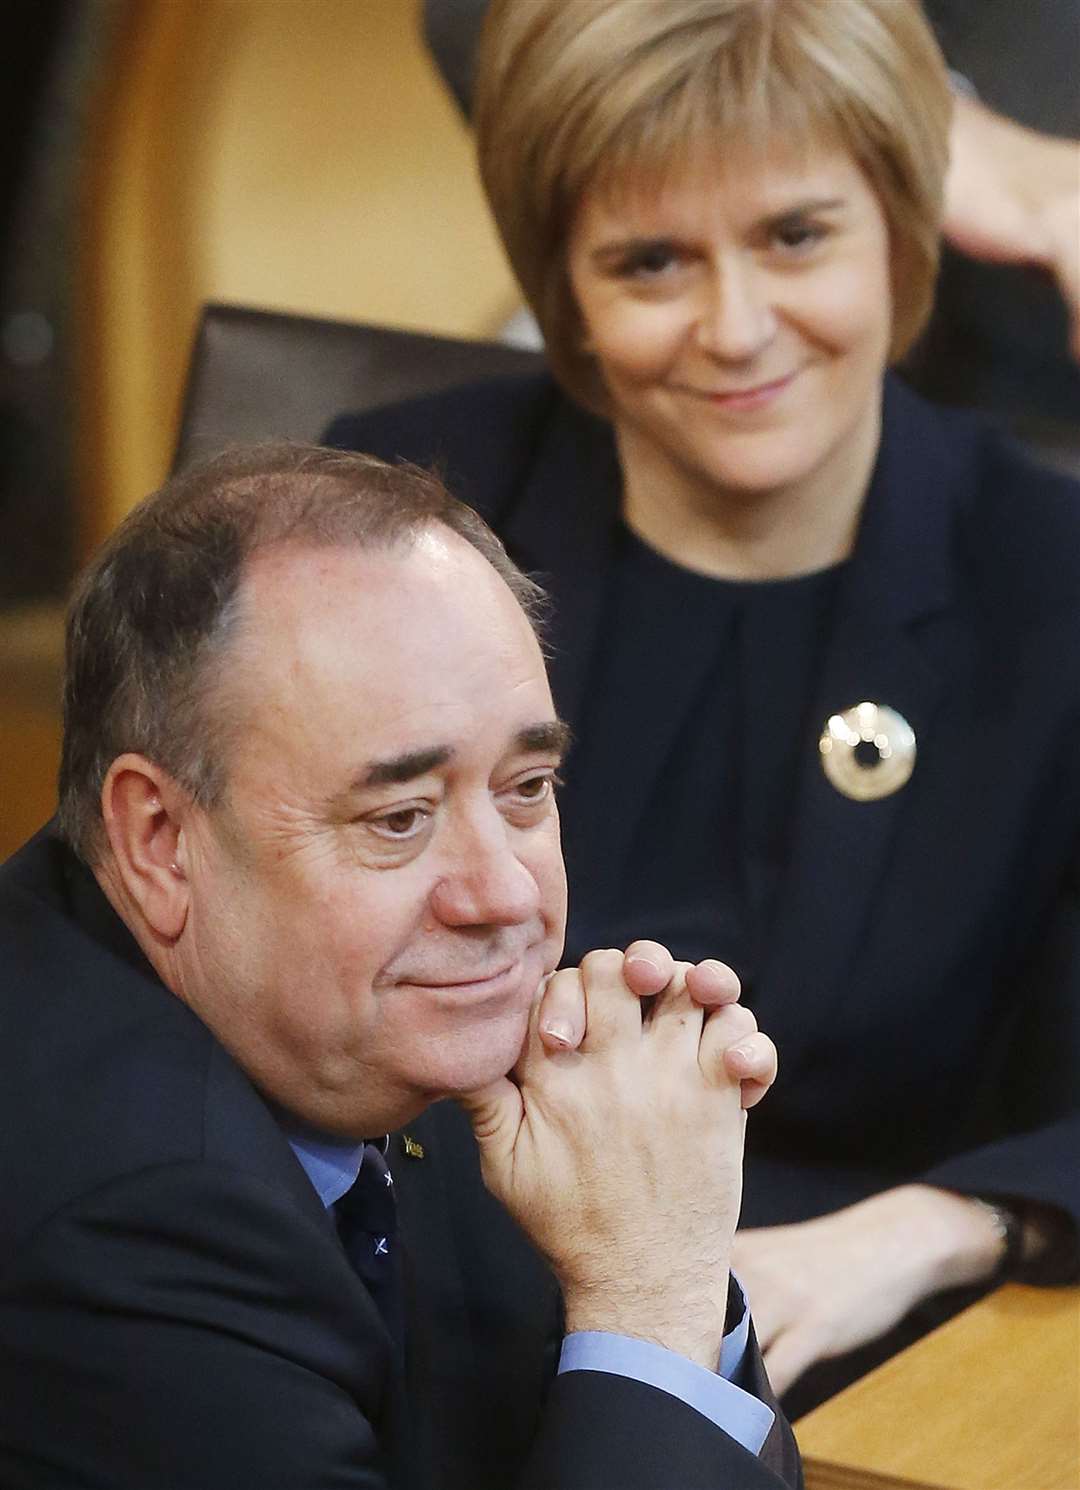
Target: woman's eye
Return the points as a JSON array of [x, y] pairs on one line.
[[798, 234], [650, 261]]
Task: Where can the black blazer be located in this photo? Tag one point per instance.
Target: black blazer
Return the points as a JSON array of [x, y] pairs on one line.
[[922, 976], [176, 1309]]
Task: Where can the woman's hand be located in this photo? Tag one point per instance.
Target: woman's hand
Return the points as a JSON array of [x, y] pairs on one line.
[[1012, 196], [823, 1287]]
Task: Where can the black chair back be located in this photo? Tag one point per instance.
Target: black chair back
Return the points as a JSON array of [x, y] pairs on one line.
[[259, 375]]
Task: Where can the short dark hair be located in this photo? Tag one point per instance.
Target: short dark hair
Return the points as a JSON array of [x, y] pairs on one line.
[[154, 612]]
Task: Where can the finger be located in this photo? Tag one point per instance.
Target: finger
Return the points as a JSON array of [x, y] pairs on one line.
[[675, 1017], [712, 983], [727, 1026], [612, 1011], [561, 1016], [647, 968], [753, 1064]]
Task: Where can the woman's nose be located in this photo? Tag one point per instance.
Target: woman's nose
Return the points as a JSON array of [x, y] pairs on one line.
[[736, 319]]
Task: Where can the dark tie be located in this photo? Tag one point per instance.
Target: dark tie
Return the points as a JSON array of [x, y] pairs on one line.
[[367, 1224]]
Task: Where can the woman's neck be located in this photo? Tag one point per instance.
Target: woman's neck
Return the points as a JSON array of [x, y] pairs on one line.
[[775, 533]]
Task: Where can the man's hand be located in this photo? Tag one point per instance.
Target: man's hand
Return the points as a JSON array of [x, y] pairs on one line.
[[826, 1286], [648, 968], [1012, 196], [622, 1159]]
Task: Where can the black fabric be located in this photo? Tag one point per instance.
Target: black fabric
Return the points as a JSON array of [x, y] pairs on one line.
[[755, 651], [921, 968], [177, 1311]]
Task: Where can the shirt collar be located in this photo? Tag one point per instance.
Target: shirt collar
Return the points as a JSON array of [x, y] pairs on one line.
[[331, 1164]]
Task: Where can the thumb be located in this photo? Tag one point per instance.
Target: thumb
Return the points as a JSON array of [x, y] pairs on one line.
[[495, 1112], [786, 1358]]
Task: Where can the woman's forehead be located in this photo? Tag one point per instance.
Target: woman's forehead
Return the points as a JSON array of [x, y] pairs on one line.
[[635, 187]]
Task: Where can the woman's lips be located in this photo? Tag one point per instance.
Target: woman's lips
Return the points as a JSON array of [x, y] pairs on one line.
[[757, 397]]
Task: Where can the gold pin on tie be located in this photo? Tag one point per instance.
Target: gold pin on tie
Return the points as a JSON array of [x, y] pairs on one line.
[[867, 752], [413, 1150]]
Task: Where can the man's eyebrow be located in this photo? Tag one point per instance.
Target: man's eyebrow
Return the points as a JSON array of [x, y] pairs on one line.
[[552, 736], [400, 768]]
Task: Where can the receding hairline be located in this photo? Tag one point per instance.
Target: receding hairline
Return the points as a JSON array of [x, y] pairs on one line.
[[225, 700]]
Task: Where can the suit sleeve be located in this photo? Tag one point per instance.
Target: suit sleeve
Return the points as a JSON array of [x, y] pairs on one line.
[[1033, 1155], [600, 1431]]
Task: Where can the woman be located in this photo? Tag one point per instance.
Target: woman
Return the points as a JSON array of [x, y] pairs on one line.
[[817, 640]]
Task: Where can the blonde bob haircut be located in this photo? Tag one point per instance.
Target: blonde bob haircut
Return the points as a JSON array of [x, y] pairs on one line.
[[581, 95]]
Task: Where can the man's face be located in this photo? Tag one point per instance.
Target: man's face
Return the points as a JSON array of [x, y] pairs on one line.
[[377, 900]]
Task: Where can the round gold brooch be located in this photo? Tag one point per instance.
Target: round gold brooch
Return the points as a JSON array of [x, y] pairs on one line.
[[867, 752]]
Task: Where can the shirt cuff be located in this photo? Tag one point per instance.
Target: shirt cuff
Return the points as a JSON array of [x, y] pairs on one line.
[[714, 1394]]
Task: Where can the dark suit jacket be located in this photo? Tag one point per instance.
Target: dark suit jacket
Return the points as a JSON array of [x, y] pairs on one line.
[[176, 1309], [921, 980]]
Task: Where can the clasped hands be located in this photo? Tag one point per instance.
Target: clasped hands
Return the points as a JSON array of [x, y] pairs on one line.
[[616, 1142]]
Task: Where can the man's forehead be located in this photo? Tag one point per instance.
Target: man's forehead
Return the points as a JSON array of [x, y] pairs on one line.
[[400, 649], [294, 575]]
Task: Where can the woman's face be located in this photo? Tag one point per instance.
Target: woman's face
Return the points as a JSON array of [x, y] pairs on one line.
[[741, 318]]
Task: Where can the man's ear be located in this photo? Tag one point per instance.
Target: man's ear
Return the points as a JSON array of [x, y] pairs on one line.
[[143, 810]]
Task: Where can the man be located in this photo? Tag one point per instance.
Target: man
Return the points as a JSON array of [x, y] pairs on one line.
[[308, 881]]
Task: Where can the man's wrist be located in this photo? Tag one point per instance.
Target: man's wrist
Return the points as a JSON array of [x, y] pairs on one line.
[[689, 1323]]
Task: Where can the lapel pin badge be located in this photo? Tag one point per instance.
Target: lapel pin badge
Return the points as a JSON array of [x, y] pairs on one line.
[[867, 752], [413, 1150]]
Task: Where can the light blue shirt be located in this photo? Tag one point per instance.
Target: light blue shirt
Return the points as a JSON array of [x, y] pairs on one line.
[[332, 1166]]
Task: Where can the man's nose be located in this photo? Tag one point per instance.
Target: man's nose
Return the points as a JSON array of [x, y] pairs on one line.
[[736, 319], [485, 883]]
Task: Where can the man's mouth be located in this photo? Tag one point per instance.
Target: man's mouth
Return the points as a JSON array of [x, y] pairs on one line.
[[473, 985]]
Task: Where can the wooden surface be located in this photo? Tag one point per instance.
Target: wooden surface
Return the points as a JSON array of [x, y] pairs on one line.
[[990, 1401], [30, 648]]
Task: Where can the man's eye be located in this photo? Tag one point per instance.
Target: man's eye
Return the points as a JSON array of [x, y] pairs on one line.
[[404, 822], [535, 788]]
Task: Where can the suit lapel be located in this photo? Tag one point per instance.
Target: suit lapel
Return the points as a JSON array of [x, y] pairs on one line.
[[439, 1345], [480, 1316], [893, 602]]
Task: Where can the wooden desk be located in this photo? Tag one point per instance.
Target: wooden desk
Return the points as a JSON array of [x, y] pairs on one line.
[[990, 1401]]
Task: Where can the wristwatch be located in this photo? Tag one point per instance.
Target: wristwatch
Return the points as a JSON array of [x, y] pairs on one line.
[[1010, 1229]]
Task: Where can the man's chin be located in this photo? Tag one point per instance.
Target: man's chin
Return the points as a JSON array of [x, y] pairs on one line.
[[491, 1054]]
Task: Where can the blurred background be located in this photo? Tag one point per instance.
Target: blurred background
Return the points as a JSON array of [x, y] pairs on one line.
[[299, 155]]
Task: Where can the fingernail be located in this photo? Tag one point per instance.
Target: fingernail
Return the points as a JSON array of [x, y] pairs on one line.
[[649, 962], [744, 1052], [558, 1030]]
